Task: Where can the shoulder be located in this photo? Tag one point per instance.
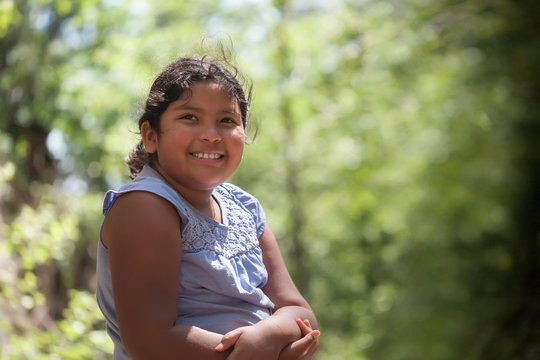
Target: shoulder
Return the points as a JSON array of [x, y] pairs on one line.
[[241, 198], [148, 182], [131, 213], [237, 193], [246, 201], [137, 203], [142, 201]]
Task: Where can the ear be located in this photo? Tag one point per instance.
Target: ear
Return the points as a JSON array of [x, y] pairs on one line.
[[149, 137]]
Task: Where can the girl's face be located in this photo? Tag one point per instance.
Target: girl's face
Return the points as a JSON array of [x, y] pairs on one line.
[[202, 138]]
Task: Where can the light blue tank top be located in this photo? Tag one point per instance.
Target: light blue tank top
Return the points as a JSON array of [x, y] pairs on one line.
[[222, 271]]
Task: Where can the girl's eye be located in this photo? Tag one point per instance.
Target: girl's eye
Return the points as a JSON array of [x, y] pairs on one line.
[[188, 117], [228, 121]]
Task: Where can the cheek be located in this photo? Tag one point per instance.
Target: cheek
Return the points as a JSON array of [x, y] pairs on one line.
[[240, 141], [242, 148], [241, 133]]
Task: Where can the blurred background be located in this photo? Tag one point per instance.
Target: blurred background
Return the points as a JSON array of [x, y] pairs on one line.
[[397, 157]]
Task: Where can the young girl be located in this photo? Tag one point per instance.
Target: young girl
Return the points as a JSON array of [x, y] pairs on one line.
[[187, 267]]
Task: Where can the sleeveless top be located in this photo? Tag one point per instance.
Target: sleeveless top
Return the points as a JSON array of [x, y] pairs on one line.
[[221, 272]]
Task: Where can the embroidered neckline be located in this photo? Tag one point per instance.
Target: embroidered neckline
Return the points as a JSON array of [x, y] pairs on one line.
[[202, 233], [237, 234]]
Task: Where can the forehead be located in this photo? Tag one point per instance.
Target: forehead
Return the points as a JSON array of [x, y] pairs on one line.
[[208, 94], [205, 89]]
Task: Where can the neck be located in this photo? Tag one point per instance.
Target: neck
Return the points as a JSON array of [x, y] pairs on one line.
[[207, 205], [202, 200]]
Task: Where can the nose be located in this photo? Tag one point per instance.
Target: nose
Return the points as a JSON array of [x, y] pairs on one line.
[[211, 134]]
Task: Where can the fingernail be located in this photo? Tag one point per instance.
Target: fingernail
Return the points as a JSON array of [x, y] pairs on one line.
[[220, 347]]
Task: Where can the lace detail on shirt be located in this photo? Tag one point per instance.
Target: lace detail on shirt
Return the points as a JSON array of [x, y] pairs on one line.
[[236, 238]]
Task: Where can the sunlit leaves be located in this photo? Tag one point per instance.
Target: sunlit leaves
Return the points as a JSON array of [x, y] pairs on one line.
[[41, 236], [79, 335], [8, 15]]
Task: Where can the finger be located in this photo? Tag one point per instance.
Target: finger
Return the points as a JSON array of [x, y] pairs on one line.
[[311, 345], [312, 337], [308, 324], [228, 340], [304, 328], [301, 346], [311, 349]]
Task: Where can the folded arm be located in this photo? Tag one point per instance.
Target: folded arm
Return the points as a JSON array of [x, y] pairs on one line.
[[269, 337], [142, 234]]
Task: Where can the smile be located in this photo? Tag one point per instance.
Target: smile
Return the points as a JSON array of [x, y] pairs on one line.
[[207, 156]]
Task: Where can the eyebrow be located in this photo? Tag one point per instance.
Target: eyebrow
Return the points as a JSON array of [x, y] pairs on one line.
[[198, 109]]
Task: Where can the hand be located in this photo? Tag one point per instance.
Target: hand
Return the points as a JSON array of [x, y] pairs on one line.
[[250, 343], [304, 348], [229, 339], [301, 349]]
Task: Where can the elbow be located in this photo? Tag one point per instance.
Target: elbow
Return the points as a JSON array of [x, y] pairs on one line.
[[298, 308], [142, 345], [136, 350]]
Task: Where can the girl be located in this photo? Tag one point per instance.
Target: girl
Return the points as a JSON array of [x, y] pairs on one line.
[[187, 267]]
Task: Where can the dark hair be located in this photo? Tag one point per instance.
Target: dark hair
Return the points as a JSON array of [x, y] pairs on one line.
[[171, 83]]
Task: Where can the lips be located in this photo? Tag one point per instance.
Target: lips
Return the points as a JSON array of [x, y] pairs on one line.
[[212, 156]]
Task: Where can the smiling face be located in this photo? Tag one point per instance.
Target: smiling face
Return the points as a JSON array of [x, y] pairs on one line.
[[201, 139]]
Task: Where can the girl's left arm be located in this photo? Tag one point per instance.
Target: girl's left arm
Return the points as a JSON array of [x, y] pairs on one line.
[[280, 288], [271, 335]]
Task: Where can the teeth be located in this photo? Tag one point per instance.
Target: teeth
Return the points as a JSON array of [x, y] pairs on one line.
[[206, 156]]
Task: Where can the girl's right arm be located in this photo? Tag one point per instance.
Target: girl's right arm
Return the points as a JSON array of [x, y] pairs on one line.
[[142, 234], [301, 349]]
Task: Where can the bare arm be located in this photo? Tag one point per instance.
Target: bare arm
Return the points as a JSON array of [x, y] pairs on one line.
[[142, 234], [267, 338], [289, 303]]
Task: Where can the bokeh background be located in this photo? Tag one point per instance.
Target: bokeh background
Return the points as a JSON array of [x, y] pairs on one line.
[[397, 157]]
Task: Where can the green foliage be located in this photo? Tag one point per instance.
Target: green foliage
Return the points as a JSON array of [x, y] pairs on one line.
[[79, 335], [39, 254]]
